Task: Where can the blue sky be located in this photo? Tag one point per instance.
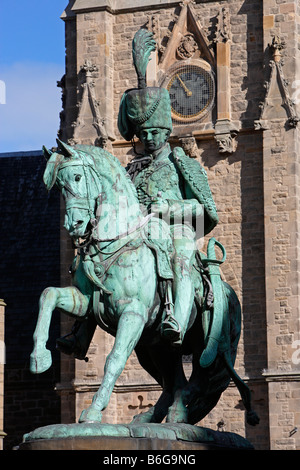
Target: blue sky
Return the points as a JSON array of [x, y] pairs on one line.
[[32, 60]]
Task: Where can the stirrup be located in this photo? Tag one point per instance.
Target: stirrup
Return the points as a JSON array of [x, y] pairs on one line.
[[171, 331]]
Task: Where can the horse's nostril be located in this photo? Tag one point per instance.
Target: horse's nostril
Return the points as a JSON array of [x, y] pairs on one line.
[[79, 222]]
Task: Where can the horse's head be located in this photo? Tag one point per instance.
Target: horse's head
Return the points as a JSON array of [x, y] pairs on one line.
[[101, 201], [75, 173]]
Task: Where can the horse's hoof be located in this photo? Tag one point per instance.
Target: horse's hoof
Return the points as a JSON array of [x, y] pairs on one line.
[[177, 415], [40, 362], [252, 418], [90, 415], [146, 417]]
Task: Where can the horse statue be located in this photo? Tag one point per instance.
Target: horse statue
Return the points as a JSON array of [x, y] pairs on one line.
[[120, 282]]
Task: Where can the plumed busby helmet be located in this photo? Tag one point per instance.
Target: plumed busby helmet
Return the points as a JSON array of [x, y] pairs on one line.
[[143, 107]]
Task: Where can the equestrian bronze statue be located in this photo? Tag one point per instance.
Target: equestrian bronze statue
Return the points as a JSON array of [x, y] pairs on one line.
[[138, 273]]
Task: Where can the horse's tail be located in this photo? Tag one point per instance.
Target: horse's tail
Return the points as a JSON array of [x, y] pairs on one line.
[[205, 399], [251, 417], [232, 329], [219, 305]]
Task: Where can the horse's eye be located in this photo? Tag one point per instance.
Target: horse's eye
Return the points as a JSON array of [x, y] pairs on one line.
[[77, 177]]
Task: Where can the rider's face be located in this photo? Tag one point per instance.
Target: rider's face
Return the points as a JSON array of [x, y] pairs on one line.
[[153, 139]]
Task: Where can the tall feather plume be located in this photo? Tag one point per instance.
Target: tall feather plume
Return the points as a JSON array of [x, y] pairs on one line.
[[142, 46]]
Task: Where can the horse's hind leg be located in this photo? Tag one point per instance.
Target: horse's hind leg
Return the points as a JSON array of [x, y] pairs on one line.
[[164, 364], [130, 328], [72, 302], [177, 412]]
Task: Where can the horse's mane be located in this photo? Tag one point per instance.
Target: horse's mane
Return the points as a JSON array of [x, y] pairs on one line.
[[100, 156], [96, 157]]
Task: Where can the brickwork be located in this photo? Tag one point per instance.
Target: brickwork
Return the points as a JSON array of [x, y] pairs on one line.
[[255, 188]]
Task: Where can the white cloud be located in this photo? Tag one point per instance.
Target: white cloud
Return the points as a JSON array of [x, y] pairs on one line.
[[29, 118]]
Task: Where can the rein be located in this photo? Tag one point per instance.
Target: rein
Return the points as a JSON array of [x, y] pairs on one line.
[[127, 235], [91, 204], [80, 201], [137, 227]]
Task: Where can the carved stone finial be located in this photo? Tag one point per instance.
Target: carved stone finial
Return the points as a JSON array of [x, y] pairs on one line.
[[277, 103], [89, 119], [187, 2], [223, 33], [153, 26], [89, 66], [276, 47]]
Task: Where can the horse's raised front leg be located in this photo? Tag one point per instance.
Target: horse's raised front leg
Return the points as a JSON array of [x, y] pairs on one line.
[[130, 328], [72, 302]]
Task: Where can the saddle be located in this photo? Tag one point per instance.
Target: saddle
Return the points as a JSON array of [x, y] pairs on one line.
[[158, 238], [213, 298]]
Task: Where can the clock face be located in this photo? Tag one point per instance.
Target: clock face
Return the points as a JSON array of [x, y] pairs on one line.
[[191, 90]]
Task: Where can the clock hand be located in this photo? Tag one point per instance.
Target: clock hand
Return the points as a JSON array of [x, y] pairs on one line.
[[188, 92]]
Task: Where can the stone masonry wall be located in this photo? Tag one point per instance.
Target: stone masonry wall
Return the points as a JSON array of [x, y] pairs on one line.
[[256, 192], [236, 184], [281, 196]]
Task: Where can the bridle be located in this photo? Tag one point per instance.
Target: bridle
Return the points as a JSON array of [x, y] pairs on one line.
[[87, 202], [93, 205]]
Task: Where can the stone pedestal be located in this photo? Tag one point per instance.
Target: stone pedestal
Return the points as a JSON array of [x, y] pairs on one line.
[[131, 437]]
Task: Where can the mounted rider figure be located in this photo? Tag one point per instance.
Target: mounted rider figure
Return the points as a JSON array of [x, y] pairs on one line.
[[170, 185], [168, 182]]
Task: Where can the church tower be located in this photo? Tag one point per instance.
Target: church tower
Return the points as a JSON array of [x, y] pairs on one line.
[[241, 58]]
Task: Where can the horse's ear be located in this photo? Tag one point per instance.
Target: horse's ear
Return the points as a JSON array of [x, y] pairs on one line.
[[47, 153], [51, 170], [66, 150]]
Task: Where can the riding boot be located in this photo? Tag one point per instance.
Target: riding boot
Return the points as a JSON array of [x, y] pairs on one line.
[[174, 326]]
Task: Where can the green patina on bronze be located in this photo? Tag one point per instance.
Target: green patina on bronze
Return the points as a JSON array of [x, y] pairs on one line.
[[168, 432], [143, 107], [138, 273]]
